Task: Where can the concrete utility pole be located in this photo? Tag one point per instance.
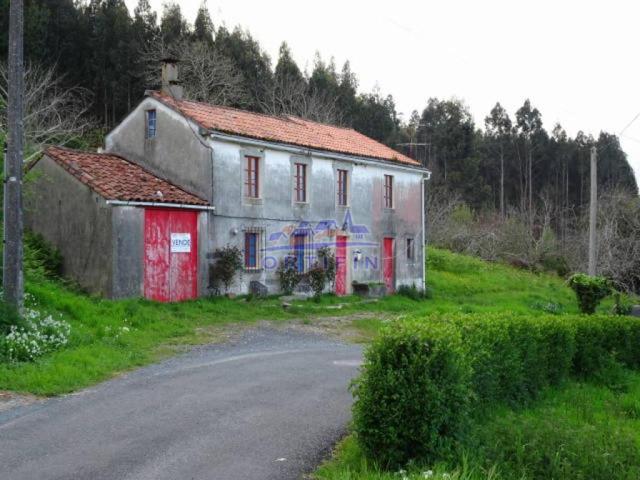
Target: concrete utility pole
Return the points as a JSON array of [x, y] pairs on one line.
[[593, 210], [12, 279]]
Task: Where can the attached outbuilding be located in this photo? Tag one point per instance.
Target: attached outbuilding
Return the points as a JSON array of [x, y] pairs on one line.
[[122, 231]]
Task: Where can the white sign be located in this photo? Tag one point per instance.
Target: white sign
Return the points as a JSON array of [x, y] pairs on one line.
[[180, 243]]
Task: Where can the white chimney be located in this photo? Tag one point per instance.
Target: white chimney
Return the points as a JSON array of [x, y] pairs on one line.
[[171, 85]]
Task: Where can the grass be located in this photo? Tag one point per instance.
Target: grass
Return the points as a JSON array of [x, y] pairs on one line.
[[580, 431], [457, 284]]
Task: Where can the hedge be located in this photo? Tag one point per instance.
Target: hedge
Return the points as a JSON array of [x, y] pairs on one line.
[[423, 379]]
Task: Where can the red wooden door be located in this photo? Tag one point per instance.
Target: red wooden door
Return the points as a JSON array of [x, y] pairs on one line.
[[341, 265], [388, 264], [170, 254]]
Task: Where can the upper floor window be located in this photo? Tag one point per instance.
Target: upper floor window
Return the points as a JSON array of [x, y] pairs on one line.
[[301, 182], [388, 191], [252, 177], [342, 187], [151, 124]]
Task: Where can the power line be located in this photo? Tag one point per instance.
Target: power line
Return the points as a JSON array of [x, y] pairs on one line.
[[629, 124]]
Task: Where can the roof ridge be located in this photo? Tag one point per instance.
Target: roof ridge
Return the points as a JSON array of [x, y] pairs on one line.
[[285, 116]]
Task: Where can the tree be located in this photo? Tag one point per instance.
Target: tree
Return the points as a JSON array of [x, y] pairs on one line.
[[498, 128], [529, 127], [251, 61], [53, 113], [206, 75], [173, 26], [203, 30]]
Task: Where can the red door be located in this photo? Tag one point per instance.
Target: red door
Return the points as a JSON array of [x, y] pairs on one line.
[[388, 264], [170, 254], [341, 265]]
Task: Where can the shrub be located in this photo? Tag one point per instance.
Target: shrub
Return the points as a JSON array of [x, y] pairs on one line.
[[9, 317], [40, 257], [589, 290], [422, 380], [327, 260], [288, 275], [413, 292], [411, 397], [32, 336], [228, 263], [621, 307], [317, 279]]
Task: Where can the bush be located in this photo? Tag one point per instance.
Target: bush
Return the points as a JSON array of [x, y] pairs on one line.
[[32, 336], [413, 292], [41, 259], [228, 263], [412, 396], [9, 317], [422, 381], [317, 279], [288, 275], [589, 290]]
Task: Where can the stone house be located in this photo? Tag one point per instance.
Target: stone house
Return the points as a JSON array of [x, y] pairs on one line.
[[274, 186]]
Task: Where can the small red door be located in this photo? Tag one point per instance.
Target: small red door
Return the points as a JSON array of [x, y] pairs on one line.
[[341, 265], [388, 264], [170, 254]]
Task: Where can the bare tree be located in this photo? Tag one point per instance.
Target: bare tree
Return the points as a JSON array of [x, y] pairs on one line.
[[291, 96], [54, 113], [206, 75]]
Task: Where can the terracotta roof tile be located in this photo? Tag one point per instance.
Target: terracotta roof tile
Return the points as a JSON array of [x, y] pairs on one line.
[[289, 130], [115, 178]]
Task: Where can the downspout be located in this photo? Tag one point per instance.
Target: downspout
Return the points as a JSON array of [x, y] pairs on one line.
[[425, 179]]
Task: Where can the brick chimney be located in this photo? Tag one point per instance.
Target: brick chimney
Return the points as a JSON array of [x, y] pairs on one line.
[[171, 85]]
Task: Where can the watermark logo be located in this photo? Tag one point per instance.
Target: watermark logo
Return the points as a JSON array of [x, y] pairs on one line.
[[303, 239]]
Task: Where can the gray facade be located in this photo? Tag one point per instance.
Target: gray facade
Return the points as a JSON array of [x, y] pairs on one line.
[[101, 244], [211, 165]]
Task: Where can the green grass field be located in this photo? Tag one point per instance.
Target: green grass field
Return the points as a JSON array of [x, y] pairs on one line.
[[580, 431], [95, 353], [588, 431]]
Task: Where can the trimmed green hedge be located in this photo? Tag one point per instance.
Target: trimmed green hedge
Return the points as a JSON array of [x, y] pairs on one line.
[[424, 378]]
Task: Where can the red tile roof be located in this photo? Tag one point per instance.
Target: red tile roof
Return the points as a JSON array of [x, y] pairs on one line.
[[289, 130], [115, 178]]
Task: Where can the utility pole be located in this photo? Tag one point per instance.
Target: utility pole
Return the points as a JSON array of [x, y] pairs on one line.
[[593, 210], [12, 279]]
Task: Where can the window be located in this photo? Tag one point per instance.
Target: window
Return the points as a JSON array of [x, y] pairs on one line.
[[151, 123], [251, 250], [301, 182], [388, 191], [411, 252], [342, 187], [252, 177]]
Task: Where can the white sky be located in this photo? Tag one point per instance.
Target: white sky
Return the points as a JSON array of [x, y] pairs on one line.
[[578, 61]]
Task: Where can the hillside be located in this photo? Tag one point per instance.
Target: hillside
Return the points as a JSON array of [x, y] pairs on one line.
[[108, 336]]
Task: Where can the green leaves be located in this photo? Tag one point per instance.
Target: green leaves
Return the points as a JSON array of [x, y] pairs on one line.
[[424, 379], [590, 291]]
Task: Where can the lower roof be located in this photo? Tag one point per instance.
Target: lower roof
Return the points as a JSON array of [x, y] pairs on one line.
[[115, 178]]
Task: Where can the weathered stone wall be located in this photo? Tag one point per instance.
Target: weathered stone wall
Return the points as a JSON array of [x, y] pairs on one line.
[[75, 220]]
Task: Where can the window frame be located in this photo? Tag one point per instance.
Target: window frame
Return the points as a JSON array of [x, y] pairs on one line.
[[388, 191], [248, 255], [411, 248], [252, 176], [149, 129], [342, 187], [300, 182]]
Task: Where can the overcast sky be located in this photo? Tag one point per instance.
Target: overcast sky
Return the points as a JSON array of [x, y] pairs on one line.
[[578, 61]]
